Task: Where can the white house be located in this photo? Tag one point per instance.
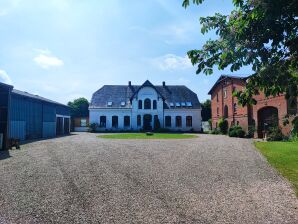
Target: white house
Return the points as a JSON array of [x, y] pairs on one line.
[[133, 107]]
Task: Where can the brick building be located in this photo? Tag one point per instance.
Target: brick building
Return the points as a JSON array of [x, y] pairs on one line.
[[268, 110]]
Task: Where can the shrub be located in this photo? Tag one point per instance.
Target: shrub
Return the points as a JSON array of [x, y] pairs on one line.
[[92, 127], [274, 134], [236, 131], [215, 131], [223, 126], [251, 131]]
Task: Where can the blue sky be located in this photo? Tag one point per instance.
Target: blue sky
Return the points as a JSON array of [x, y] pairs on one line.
[[64, 49]]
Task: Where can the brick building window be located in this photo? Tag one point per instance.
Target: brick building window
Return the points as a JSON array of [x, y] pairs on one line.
[[226, 111], [168, 121], [217, 111], [188, 121], [102, 121], [178, 121], [235, 107], [225, 92], [217, 97], [115, 121], [126, 121]]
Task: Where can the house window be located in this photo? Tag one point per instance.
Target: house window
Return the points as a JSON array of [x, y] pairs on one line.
[[168, 122], [234, 89], [140, 104], [147, 104], [115, 121], [226, 111], [154, 105], [237, 123], [188, 121], [216, 125], [156, 122], [178, 121], [217, 97], [217, 111], [139, 121], [235, 107], [126, 121], [83, 122], [102, 121], [225, 92]]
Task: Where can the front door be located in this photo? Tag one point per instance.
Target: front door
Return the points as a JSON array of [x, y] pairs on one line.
[[267, 117], [147, 122]]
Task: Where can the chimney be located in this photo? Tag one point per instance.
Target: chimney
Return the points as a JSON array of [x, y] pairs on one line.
[[129, 83], [163, 83]]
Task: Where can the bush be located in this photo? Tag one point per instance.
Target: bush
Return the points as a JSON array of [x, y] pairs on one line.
[[274, 134], [251, 131], [215, 131], [223, 126], [92, 127], [236, 131]]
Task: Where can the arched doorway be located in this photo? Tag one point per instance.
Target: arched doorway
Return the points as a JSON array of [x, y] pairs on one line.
[[267, 117], [147, 122]]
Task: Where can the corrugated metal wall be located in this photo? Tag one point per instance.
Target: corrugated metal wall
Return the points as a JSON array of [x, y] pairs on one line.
[[32, 119]]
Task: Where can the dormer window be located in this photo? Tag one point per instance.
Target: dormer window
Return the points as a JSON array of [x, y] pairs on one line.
[[183, 104], [110, 103], [122, 104], [188, 104], [178, 104], [171, 104]]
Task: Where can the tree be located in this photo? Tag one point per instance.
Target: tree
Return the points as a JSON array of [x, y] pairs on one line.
[[259, 33], [206, 110], [79, 107]]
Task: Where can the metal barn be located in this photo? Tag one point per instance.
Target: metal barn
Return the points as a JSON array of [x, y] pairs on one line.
[[26, 116]]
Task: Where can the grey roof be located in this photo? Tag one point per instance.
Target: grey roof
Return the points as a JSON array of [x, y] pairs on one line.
[[223, 77], [36, 97], [124, 93]]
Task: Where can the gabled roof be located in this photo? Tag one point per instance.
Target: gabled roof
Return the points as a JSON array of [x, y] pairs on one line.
[[224, 77], [125, 93]]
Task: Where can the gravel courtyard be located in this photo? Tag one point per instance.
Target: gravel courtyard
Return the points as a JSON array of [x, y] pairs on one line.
[[84, 179]]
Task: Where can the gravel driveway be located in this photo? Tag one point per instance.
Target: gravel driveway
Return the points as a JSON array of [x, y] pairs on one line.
[[84, 179]]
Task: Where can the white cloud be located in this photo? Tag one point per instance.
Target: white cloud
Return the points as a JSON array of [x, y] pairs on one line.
[[4, 77], [45, 59], [172, 62]]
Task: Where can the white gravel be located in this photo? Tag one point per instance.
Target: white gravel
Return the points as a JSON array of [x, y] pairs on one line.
[[84, 179]]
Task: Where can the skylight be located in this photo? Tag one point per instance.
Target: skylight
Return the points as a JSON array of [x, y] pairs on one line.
[[171, 104], [122, 104], [183, 104], [189, 104], [110, 103], [177, 104]]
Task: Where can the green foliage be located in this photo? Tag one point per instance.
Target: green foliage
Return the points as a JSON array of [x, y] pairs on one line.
[[79, 107], [92, 127], [262, 34], [274, 134], [236, 131], [295, 126], [251, 131], [215, 131], [210, 123], [206, 110], [223, 126]]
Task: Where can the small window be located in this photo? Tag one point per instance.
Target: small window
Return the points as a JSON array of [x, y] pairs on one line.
[[115, 121], [147, 104], [178, 121], [217, 97], [189, 104], [188, 121], [225, 92], [154, 105], [168, 122], [235, 107], [172, 105], [126, 121], [183, 104], [140, 104], [226, 111], [234, 89], [122, 104], [216, 125], [177, 104], [217, 111], [102, 121], [139, 121], [110, 103], [83, 122], [237, 123]]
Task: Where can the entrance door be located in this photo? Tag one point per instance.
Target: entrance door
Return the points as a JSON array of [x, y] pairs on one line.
[[59, 126], [66, 126], [267, 117], [147, 122]]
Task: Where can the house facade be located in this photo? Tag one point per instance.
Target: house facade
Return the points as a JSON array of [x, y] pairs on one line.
[[267, 112], [145, 107]]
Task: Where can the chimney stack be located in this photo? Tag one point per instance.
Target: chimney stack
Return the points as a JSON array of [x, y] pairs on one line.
[[163, 83], [129, 83]]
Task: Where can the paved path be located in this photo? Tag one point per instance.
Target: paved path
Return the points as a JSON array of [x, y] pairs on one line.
[[84, 179]]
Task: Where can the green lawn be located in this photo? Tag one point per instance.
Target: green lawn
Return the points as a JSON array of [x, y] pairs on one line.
[[284, 157], [144, 136]]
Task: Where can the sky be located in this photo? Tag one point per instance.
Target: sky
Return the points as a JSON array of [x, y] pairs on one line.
[[65, 49]]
